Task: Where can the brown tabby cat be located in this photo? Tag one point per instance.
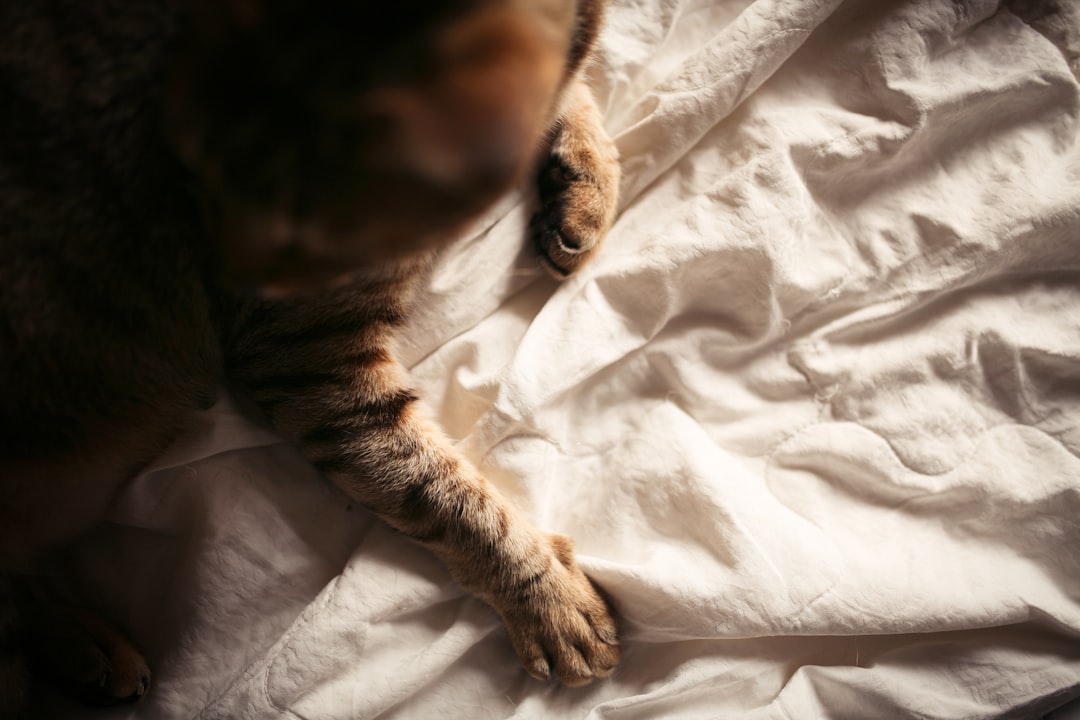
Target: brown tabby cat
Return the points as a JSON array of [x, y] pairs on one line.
[[303, 148]]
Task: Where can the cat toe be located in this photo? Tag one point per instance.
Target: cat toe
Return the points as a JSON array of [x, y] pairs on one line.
[[560, 252], [598, 649]]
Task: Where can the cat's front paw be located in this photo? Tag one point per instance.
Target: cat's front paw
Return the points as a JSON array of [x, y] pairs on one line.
[[575, 213], [578, 184], [560, 624]]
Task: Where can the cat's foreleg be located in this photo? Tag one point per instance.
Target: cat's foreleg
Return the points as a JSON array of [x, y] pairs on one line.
[[370, 437], [411, 476]]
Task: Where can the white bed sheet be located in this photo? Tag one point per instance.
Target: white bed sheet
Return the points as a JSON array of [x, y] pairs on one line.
[[812, 417]]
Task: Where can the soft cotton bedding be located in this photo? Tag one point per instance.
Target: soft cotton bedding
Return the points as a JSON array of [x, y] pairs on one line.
[[812, 417]]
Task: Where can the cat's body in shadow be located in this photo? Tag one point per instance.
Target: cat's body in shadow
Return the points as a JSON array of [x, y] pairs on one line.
[[156, 158]]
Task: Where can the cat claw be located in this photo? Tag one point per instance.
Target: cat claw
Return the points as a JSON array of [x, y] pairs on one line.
[[557, 250]]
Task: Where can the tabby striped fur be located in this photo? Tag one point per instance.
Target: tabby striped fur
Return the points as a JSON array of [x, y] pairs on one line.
[[322, 369]]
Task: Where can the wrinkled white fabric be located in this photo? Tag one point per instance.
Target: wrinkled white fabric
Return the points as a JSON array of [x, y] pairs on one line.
[[812, 417]]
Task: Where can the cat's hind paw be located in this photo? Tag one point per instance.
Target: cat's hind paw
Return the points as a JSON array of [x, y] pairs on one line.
[[87, 657]]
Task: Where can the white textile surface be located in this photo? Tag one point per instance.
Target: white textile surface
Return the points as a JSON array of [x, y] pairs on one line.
[[812, 417]]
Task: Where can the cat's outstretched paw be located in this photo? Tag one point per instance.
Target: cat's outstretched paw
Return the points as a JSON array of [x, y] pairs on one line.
[[578, 183], [561, 626], [86, 657]]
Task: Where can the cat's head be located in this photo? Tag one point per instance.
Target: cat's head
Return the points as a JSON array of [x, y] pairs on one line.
[[333, 135]]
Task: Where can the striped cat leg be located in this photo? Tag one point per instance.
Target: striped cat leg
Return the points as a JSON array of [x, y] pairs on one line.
[[357, 422], [578, 183], [389, 457]]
